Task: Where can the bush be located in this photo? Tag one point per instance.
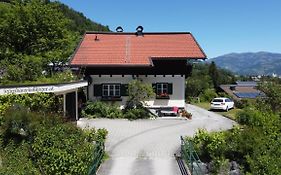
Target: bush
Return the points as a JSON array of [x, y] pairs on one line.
[[33, 143], [16, 160], [243, 103], [62, 148], [209, 145], [137, 113], [42, 102], [65, 76], [101, 110], [223, 94], [208, 95], [255, 147]]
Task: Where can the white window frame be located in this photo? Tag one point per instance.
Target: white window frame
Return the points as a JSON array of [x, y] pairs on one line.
[[111, 90], [162, 88]]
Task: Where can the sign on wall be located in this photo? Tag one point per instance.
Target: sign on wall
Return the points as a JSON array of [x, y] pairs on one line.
[[26, 90], [57, 88]]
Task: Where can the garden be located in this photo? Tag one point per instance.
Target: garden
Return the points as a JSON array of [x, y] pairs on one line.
[[253, 146], [134, 109], [36, 140]]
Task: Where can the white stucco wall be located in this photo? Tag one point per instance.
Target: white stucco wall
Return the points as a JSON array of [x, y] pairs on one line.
[[176, 99]]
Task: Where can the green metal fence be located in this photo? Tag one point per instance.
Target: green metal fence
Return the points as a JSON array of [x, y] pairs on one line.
[[190, 157], [98, 155]]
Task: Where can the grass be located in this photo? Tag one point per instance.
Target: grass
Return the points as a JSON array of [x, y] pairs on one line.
[[231, 114]]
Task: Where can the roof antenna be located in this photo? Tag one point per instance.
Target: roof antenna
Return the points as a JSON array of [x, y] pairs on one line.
[[119, 29]]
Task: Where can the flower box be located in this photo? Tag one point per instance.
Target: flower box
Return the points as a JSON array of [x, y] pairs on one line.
[[162, 96]]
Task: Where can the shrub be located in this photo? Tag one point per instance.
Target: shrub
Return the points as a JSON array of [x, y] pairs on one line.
[[243, 103], [46, 144], [208, 95], [137, 113], [223, 94], [255, 147], [62, 148], [19, 125], [209, 145], [16, 160], [65, 76], [101, 110], [38, 102]]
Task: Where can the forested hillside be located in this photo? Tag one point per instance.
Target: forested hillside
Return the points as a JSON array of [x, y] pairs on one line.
[[80, 23], [38, 36]]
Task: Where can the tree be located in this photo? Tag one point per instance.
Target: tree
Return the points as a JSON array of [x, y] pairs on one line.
[[34, 28], [139, 92], [213, 72], [272, 91], [195, 85]]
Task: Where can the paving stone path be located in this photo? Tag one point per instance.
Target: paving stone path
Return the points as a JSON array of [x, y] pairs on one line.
[[147, 147]]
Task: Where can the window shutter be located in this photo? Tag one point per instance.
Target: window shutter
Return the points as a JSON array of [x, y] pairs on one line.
[[154, 87], [170, 88], [124, 90], [97, 90]]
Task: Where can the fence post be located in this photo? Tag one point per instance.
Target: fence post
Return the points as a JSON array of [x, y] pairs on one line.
[[97, 155], [190, 156]]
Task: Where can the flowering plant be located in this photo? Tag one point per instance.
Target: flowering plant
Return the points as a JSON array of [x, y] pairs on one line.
[[163, 95]]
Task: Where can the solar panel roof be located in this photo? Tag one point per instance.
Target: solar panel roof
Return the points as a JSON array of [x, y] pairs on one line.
[[249, 94]]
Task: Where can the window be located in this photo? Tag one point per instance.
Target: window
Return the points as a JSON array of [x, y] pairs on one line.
[[162, 89], [111, 90]]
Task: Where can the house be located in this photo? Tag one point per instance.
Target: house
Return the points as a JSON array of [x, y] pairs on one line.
[[110, 60], [242, 90]]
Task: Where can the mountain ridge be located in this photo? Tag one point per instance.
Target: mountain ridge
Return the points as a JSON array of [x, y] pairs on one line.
[[250, 63]]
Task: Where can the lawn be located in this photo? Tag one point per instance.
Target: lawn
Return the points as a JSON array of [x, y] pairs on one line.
[[230, 114]]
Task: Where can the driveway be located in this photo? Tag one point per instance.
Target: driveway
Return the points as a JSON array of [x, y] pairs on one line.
[[147, 147]]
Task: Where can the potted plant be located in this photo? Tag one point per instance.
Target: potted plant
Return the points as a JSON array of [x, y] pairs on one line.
[[186, 114]]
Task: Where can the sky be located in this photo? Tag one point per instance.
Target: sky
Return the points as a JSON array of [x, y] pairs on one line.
[[219, 26]]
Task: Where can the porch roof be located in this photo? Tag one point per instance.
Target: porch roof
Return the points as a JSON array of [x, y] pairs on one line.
[[47, 88]]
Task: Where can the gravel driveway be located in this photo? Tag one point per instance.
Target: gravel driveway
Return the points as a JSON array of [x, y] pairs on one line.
[[147, 147]]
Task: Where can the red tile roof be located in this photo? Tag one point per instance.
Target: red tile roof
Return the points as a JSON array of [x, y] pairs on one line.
[[125, 49]]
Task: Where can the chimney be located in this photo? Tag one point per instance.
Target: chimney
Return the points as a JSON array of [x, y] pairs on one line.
[[119, 29], [139, 30], [96, 38], [232, 87]]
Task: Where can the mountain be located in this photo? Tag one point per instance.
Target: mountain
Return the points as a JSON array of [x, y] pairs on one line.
[[259, 63]]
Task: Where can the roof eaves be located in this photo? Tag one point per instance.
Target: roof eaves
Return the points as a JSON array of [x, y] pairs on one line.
[[76, 49], [199, 46], [111, 65], [175, 58]]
